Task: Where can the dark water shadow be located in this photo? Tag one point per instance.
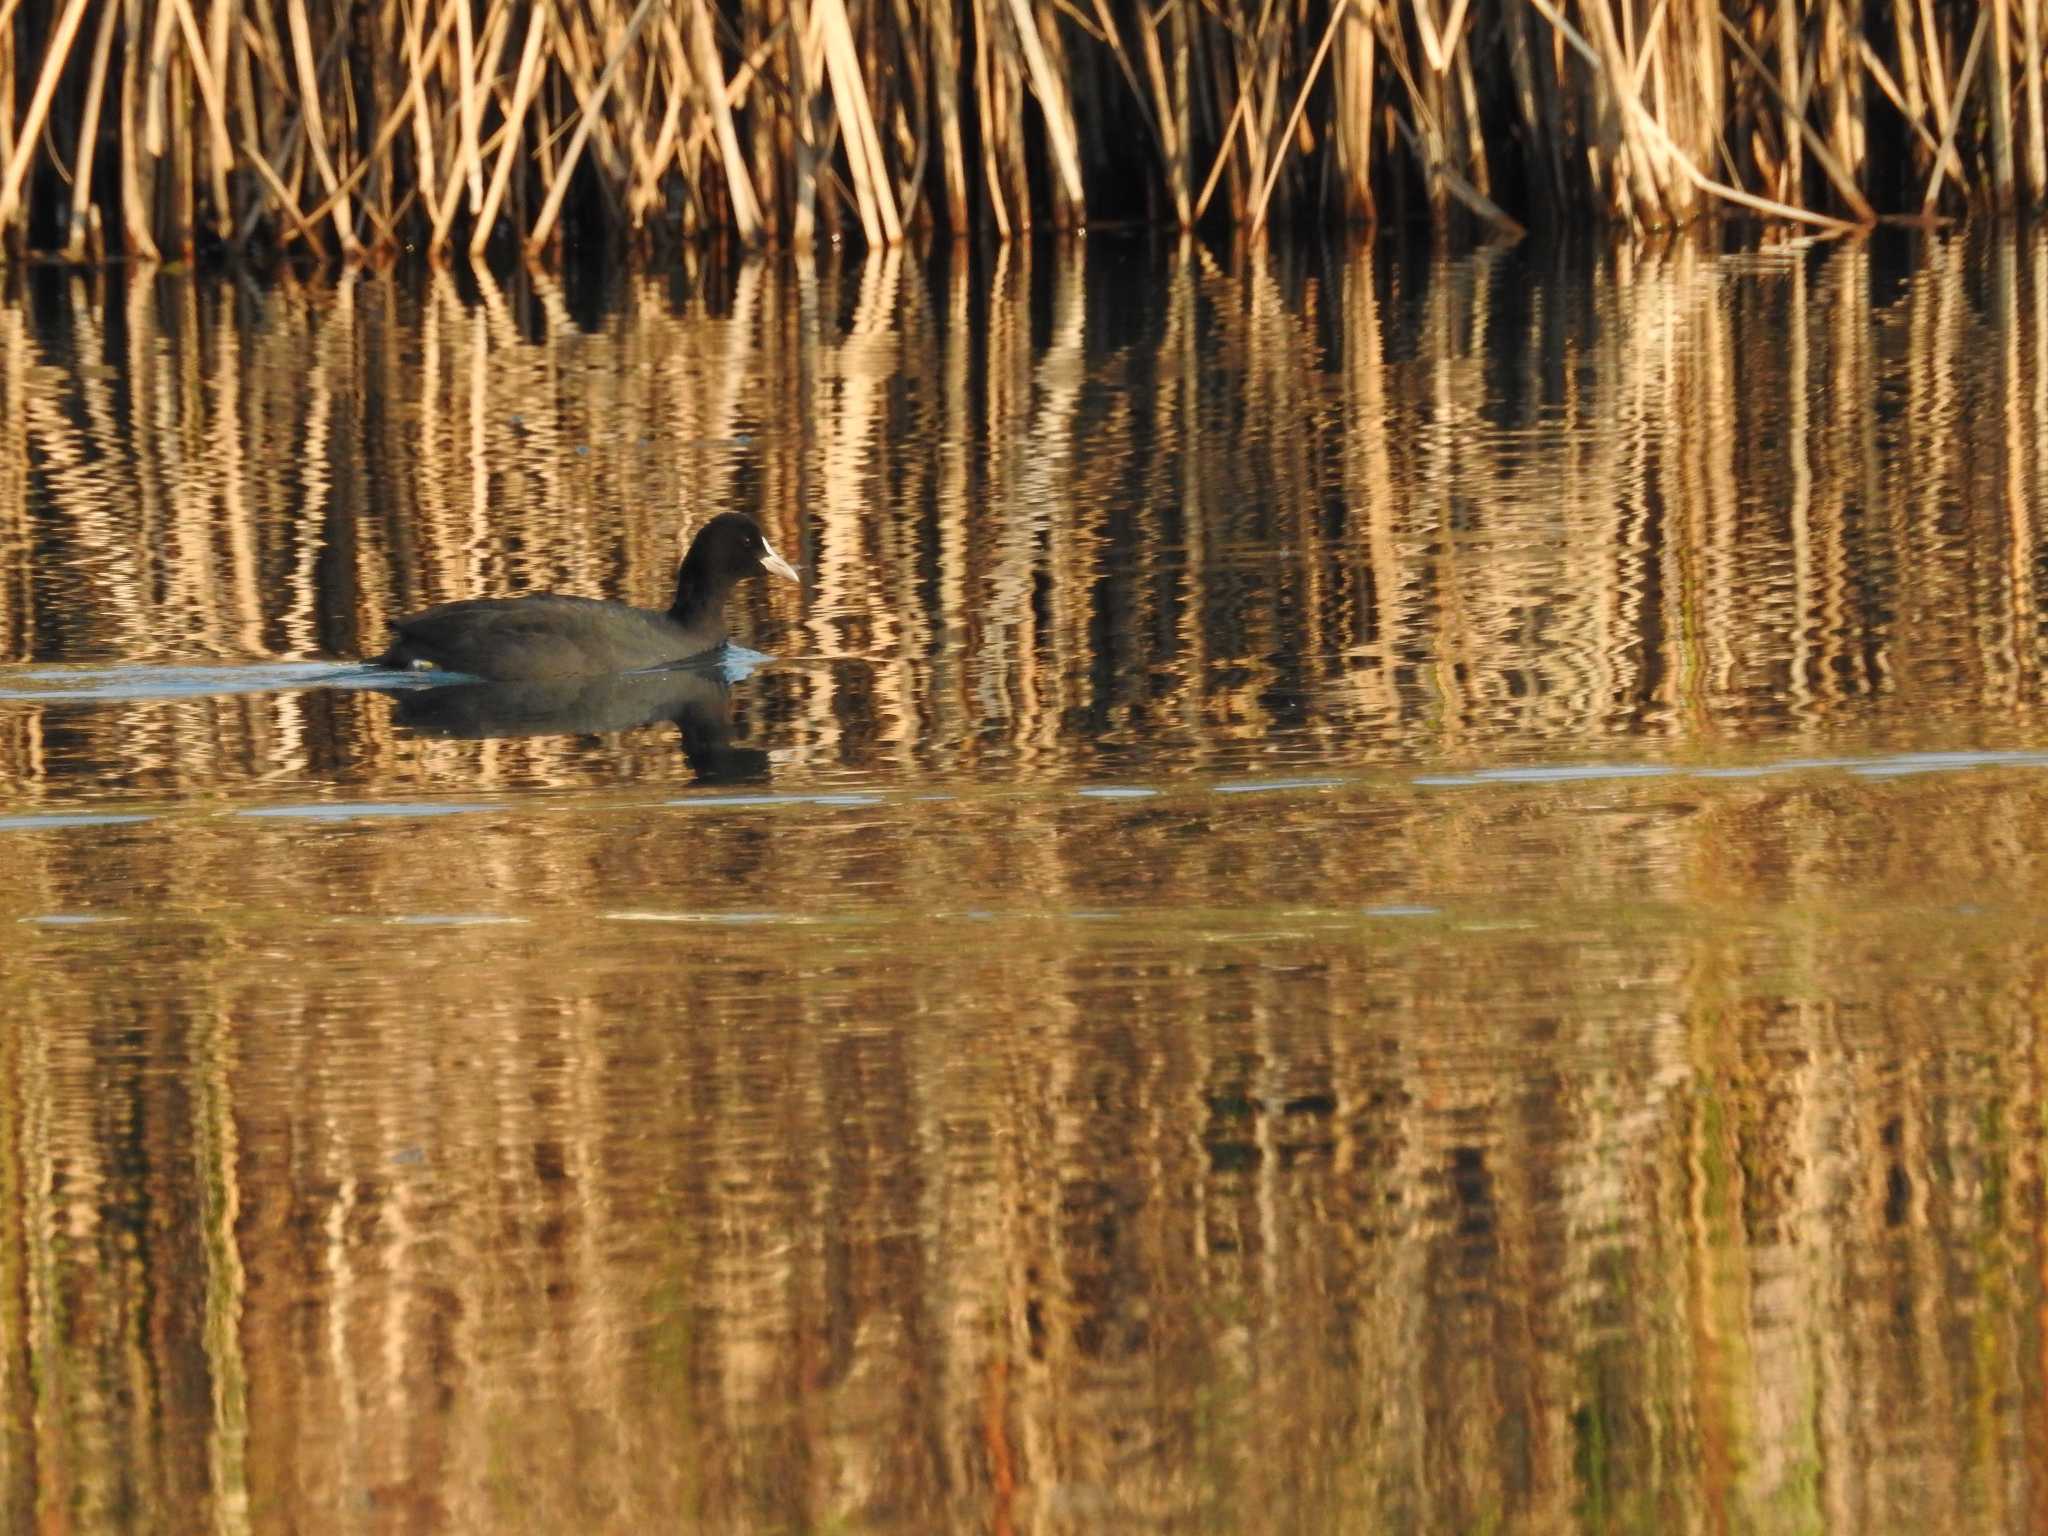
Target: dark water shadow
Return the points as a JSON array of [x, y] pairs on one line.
[[697, 699]]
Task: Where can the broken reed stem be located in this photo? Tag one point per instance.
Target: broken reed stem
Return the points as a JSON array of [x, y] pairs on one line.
[[863, 145], [1948, 132], [1052, 100], [470, 166], [944, 71], [81, 217], [1705, 183], [550, 210], [1836, 172], [136, 220], [1301, 105], [1997, 14], [315, 126], [31, 130], [362, 127], [522, 99], [2037, 138], [746, 212], [393, 126], [223, 152]]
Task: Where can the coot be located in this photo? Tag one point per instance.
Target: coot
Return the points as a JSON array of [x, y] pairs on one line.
[[521, 639]]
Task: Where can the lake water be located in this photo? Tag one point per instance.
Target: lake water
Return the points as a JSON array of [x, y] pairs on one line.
[[1359, 895]]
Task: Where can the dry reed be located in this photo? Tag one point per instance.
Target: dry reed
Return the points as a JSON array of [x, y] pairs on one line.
[[181, 127]]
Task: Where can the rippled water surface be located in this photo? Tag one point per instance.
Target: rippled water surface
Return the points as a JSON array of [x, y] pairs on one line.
[[1358, 896]]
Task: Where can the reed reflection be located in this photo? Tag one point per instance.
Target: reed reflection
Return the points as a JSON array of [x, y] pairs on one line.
[[1159, 1059], [1062, 514]]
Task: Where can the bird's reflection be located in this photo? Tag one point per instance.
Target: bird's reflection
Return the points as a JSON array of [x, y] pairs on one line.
[[697, 699]]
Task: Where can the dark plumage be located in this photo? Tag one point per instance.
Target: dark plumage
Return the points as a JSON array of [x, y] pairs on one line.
[[520, 639]]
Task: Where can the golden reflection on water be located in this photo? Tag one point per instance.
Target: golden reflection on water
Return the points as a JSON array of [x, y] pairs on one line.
[[1354, 918]]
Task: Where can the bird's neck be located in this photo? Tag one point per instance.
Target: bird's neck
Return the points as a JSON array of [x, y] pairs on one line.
[[700, 592]]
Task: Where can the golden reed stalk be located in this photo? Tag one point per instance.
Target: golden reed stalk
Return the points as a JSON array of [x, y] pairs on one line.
[[178, 128]]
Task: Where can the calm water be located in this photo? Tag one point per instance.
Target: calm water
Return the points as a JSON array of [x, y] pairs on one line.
[[1357, 897]]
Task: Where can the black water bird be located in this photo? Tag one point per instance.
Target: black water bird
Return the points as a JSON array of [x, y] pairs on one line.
[[697, 699], [528, 639]]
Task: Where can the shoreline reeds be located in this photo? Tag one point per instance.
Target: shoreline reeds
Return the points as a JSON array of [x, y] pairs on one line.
[[168, 129]]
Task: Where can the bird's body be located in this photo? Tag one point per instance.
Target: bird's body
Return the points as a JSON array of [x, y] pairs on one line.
[[532, 638], [521, 639]]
